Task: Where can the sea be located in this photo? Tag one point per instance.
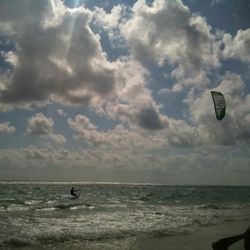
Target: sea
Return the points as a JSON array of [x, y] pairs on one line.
[[111, 215]]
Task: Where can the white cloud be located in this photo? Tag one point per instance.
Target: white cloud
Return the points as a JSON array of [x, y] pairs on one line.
[[234, 128], [166, 31], [61, 60], [11, 58], [76, 72], [118, 137], [134, 104], [82, 122], [59, 57], [110, 23], [177, 133], [6, 128], [109, 20], [40, 125], [56, 57], [58, 138], [61, 112], [181, 134], [237, 47]]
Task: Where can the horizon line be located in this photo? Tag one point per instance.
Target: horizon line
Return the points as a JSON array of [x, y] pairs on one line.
[[112, 183]]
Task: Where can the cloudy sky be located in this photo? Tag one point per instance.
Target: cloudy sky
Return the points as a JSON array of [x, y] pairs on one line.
[[94, 90]]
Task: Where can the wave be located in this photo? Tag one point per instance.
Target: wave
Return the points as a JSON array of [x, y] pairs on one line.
[[46, 209], [70, 206], [31, 206], [65, 206], [76, 236], [16, 207], [224, 207], [212, 206], [55, 238], [32, 202]]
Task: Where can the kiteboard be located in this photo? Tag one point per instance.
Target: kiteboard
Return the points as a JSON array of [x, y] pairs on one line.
[[72, 205], [75, 197]]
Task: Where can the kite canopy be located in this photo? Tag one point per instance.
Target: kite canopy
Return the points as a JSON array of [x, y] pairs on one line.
[[219, 104]]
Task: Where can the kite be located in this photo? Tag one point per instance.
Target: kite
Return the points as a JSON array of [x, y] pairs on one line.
[[219, 104]]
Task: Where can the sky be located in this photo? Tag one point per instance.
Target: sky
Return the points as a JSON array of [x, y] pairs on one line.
[[119, 91]]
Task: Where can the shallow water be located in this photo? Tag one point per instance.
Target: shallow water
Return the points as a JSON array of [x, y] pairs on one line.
[[111, 216]]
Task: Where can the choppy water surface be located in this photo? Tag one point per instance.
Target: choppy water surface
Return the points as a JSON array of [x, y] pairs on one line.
[[38, 215]]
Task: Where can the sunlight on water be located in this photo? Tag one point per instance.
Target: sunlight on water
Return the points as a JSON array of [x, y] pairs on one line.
[[37, 214]]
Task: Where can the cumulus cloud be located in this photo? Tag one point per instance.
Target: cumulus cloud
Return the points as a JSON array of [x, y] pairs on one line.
[[111, 22], [59, 57], [57, 138], [234, 128], [134, 104], [181, 134], [237, 47], [149, 118], [118, 137], [6, 128], [41, 125], [177, 133], [56, 57], [168, 32]]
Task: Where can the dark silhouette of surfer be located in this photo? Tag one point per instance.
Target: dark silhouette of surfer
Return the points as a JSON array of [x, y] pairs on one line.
[[224, 243], [73, 192]]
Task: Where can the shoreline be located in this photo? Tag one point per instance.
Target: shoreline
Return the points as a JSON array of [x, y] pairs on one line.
[[201, 239]]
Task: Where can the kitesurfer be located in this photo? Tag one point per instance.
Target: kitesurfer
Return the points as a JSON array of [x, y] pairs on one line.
[[73, 192]]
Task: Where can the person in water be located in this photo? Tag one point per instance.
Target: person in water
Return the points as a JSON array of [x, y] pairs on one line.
[[73, 192], [224, 243]]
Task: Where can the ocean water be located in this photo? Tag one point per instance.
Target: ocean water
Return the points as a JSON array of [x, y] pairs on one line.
[[111, 216]]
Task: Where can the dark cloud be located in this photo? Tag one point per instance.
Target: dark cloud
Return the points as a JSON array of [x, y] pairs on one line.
[[149, 119], [58, 57], [14, 11]]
